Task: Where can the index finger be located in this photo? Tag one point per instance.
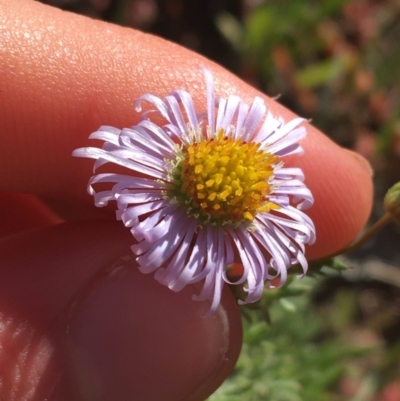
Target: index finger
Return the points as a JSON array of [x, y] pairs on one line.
[[65, 75]]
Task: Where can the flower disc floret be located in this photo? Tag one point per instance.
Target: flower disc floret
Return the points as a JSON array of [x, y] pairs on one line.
[[224, 181]]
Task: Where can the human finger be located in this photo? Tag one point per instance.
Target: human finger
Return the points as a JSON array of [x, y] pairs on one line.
[[85, 73], [79, 322]]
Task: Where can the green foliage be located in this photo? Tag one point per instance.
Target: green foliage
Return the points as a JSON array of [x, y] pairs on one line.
[[319, 73], [287, 359], [333, 60]]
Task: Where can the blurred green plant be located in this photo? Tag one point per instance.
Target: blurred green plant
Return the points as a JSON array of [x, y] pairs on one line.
[[290, 359], [333, 60]]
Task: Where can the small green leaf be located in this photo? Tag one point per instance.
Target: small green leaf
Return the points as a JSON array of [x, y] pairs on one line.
[[288, 305], [321, 73]]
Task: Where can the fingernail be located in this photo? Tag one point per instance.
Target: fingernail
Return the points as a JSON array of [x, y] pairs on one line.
[[129, 337], [360, 159]]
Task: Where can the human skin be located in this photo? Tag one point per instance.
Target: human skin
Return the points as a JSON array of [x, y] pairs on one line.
[[77, 322]]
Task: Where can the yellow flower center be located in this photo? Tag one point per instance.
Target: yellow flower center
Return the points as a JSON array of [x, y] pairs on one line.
[[225, 181]]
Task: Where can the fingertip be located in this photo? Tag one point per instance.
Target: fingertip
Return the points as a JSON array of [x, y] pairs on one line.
[[341, 183]]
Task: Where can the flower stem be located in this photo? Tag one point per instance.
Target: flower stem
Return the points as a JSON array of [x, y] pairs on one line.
[[378, 225]]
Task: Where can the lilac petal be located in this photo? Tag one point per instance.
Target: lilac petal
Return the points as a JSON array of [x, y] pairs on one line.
[[228, 113], [257, 264], [161, 107], [242, 113], [120, 187], [298, 256], [102, 198], [107, 134], [297, 215], [229, 253], [145, 140], [160, 230], [289, 144], [187, 101], [218, 283], [133, 197], [130, 216], [174, 132], [266, 237], [254, 117], [201, 271], [162, 139], [301, 195], [141, 231], [176, 117], [99, 154], [294, 236], [130, 150], [212, 259], [282, 132], [291, 249], [294, 226], [220, 113], [294, 149], [288, 173], [233, 234], [301, 259], [162, 248], [212, 238], [252, 269], [240, 249], [193, 270], [269, 126], [140, 157], [288, 184], [167, 276], [281, 200], [218, 271], [124, 181]]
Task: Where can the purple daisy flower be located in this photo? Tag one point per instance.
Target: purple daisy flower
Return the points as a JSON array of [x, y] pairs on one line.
[[208, 189]]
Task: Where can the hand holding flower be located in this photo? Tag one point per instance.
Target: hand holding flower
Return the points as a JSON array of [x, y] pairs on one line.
[[120, 335]]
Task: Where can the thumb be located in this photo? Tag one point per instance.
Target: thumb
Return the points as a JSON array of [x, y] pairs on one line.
[[86, 323]]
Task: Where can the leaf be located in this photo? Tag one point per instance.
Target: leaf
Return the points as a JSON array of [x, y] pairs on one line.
[[232, 30], [288, 305], [320, 73]]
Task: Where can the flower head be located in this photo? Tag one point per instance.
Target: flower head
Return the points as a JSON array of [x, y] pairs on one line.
[[207, 189]]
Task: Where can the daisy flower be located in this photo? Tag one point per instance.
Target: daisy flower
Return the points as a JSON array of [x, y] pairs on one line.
[[205, 190]]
